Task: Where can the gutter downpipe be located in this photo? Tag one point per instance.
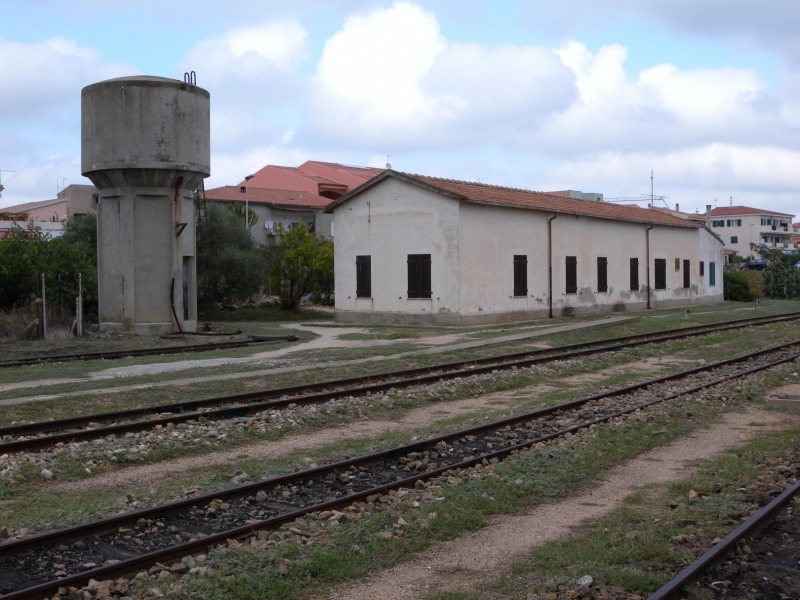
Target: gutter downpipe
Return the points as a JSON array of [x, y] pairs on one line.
[[550, 262], [647, 234]]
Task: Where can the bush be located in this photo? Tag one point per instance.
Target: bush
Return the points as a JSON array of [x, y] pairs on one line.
[[755, 281], [737, 286], [782, 280]]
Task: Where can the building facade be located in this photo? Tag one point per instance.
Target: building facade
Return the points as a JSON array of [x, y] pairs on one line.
[[740, 226], [412, 249], [277, 207]]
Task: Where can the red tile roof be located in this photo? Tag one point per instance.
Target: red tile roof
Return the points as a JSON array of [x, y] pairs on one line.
[[730, 211], [517, 198], [288, 199]]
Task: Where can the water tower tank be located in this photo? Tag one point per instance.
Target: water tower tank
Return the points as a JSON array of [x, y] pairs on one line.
[[145, 145]]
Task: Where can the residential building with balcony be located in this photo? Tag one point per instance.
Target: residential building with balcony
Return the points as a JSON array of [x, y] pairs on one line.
[[740, 226]]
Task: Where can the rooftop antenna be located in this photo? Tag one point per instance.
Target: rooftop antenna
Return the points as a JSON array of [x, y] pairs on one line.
[[64, 180], [388, 164], [652, 194], [1, 179], [479, 179], [731, 200]]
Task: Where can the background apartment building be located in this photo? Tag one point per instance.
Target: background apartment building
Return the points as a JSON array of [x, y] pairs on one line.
[[740, 226]]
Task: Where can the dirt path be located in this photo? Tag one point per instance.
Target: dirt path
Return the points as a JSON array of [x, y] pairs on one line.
[[477, 557], [367, 428], [330, 340]]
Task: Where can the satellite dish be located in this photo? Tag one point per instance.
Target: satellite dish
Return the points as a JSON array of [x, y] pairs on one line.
[[268, 225]]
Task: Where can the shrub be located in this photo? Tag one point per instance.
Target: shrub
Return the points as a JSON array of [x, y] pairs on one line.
[[782, 280], [737, 286], [755, 281]]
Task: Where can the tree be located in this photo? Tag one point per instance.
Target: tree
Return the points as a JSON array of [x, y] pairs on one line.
[[230, 263], [26, 253], [237, 209], [301, 264]]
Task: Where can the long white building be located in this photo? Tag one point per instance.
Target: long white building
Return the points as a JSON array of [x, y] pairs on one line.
[[415, 249]]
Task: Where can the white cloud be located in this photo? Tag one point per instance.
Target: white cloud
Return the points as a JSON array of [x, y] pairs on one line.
[[251, 74], [248, 53], [697, 174], [389, 77], [664, 107], [43, 78]]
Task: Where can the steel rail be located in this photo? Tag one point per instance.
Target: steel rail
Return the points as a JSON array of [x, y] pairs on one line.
[[672, 589], [38, 360], [106, 525], [417, 376]]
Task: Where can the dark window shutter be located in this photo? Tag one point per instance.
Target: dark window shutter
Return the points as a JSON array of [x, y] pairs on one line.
[[661, 273], [363, 276], [602, 274], [419, 275], [634, 274], [687, 281], [520, 275], [702, 268], [572, 275]]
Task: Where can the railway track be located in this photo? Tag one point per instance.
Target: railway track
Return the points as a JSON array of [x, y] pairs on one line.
[[253, 341], [30, 437], [126, 543], [755, 526]]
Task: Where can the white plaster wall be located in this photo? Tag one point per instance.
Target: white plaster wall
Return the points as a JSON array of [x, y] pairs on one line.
[[489, 237], [710, 251], [587, 239], [388, 222]]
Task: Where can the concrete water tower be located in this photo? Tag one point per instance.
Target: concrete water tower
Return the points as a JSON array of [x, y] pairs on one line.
[[145, 145]]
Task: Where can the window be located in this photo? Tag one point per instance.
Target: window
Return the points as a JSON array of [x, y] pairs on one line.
[[661, 273], [419, 275], [634, 274], [712, 273], [702, 268], [734, 239], [602, 274], [718, 223], [677, 264], [687, 283], [363, 276], [734, 222], [572, 275], [520, 275]]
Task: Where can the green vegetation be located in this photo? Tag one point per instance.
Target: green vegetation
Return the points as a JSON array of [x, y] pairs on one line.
[[230, 264], [301, 264], [26, 253]]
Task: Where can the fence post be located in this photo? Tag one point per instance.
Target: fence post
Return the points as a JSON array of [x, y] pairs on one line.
[[44, 311], [39, 329], [79, 308]]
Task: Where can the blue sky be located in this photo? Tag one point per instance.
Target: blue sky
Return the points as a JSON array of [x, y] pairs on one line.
[[588, 95]]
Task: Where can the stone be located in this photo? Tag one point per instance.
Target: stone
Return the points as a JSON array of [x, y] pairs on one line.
[[155, 593], [47, 474], [585, 580], [716, 488], [692, 494], [261, 496], [384, 535], [632, 535]]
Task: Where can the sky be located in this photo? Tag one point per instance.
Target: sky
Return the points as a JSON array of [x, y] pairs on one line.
[[588, 95]]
